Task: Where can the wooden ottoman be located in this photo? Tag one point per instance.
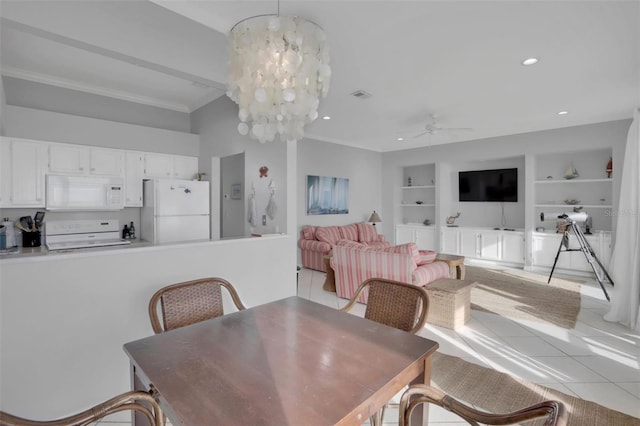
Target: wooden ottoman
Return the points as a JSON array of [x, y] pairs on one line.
[[449, 302]]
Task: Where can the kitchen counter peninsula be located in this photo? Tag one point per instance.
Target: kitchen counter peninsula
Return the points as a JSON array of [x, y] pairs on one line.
[[61, 314]]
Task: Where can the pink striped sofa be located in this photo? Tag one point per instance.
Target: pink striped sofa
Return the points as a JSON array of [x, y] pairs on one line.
[[354, 263], [317, 242]]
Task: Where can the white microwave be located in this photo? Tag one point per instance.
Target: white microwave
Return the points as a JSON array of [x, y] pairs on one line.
[[81, 193]]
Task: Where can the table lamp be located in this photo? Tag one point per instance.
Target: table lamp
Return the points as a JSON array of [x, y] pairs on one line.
[[374, 218]]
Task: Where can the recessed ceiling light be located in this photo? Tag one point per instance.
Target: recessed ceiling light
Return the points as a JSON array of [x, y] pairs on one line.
[[530, 61], [400, 139], [563, 112], [326, 117]]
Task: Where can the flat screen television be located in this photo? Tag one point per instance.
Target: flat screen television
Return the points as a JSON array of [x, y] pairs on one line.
[[488, 185]]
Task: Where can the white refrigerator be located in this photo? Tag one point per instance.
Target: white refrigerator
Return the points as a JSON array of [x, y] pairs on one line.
[[175, 210]]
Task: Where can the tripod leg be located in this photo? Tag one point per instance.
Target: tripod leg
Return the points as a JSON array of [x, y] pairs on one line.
[[590, 255], [556, 260]]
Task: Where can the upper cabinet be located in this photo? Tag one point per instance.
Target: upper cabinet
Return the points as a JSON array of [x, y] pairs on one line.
[[134, 172], [24, 165], [170, 166], [84, 160]]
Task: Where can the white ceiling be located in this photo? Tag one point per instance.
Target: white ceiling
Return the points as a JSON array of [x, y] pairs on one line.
[[459, 60]]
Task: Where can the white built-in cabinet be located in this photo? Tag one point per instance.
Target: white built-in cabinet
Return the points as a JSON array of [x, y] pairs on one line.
[[23, 165], [484, 244], [545, 248], [170, 166], [84, 160], [134, 173], [423, 236]]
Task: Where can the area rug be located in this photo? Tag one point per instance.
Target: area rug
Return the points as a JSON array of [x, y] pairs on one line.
[[517, 294], [497, 392]]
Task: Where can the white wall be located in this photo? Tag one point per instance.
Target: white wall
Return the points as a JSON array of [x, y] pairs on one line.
[[478, 153], [361, 167], [487, 214], [57, 127], [29, 94], [3, 106], [64, 320], [217, 123]]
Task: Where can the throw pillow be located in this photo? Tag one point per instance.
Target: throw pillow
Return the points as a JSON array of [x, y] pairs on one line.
[[308, 232], [367, 232], [349, 232], [426, 256], [328, 234]]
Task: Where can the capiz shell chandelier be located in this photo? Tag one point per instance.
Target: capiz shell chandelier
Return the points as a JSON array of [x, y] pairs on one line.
[[279, 68]]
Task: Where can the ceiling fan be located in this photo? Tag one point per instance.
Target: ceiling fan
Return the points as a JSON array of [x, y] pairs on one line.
[[432, 127]]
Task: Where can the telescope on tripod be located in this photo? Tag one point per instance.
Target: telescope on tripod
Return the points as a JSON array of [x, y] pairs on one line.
[[572, 221]]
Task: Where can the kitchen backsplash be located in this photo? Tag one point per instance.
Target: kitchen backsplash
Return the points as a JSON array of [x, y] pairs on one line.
[[126, 215]]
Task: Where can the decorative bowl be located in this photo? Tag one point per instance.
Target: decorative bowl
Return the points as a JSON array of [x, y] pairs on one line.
[[418, 202], [571, 201]]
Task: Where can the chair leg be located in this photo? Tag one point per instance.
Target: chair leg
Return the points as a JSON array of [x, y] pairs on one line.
[[376, 419]]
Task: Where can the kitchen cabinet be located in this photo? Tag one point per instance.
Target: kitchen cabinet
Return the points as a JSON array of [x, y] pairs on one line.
[[485, 244], [170, 166], [24, 165], [134, 173], [83, 160], [423, 236]]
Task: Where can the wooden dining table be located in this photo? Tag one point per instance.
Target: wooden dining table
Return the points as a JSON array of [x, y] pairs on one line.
[[291, 361]]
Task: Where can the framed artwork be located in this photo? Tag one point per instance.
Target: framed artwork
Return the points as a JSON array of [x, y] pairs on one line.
[[327, 195], [236, 191]]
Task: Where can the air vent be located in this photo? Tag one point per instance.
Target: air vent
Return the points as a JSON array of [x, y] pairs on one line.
[[361, 94]]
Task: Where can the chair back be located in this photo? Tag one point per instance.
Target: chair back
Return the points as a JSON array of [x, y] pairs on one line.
[[189, 302], [136, 401], [394, 303], [553, 412]]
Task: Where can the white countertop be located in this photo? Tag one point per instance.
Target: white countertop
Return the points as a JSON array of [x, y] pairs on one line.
[[42, 254]]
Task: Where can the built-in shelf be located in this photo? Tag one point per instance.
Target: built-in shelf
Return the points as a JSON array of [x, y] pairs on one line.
[[417, 205], [556, 181], [419, 187], [586, 206]]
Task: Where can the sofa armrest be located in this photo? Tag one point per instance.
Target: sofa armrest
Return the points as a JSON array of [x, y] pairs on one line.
[[430, 272], [314, 245]]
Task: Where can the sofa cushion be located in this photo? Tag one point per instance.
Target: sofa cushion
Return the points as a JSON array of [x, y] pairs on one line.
[[350, 243], [308, 232], [426, 257], [328, 234], [349, 232], [367, 233]]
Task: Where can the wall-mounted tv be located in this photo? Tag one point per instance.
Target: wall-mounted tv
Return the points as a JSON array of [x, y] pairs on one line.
[[488, 185]]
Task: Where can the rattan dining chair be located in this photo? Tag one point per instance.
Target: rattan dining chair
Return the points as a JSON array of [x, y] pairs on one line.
[[138, 401], [396, 304], [189, 302], [553, 412]]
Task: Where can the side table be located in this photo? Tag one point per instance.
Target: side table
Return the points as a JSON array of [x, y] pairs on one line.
[[330, 280], [456, 264]]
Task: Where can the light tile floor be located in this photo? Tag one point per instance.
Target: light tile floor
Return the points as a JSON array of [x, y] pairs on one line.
[[597, 360]]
